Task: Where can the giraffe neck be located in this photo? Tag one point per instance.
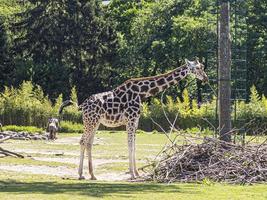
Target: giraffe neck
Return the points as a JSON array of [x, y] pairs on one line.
[[164, 81], [150, 86]]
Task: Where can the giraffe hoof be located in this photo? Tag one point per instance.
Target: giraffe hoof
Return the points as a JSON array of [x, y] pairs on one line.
[[81, 178], [93, 178], [132, 178], [136, 174]]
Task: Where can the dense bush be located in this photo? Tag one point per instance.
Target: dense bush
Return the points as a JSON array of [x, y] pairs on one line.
[[31, 129], [28, 106], [70, 127]]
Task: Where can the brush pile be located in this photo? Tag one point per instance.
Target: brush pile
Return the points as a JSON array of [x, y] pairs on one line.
[[23, 135], [211, 159]]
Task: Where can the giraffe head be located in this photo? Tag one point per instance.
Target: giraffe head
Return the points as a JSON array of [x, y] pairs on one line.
[[197, 69]]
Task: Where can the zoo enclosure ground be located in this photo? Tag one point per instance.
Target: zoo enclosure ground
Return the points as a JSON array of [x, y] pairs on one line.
[[111, 163]]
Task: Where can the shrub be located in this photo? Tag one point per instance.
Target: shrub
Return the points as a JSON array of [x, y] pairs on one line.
[[70, 127], [30, 129]]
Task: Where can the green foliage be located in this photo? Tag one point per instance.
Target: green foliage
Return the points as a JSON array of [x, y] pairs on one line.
[[26, 105], [30, 129], [71, 127], [69, 43], [6, 66]]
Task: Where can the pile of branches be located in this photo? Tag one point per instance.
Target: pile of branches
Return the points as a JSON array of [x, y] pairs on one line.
[[211, 159], [7, 135], [23, 135]]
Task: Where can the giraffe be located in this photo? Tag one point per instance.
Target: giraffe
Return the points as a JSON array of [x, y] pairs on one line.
[[122, 105]]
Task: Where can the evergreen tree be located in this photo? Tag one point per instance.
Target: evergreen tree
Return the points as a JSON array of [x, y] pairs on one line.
[[6, 65], [69, 41]]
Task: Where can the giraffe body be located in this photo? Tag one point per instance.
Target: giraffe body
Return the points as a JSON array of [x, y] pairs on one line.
[[122, 106]]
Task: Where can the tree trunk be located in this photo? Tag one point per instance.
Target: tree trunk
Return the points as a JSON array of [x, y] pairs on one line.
[[224, 73]]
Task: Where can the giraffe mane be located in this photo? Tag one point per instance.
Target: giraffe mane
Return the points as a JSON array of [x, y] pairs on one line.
[[153, 77]]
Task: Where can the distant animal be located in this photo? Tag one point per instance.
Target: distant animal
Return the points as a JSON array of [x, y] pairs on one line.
[[122, 106], [52, 128]]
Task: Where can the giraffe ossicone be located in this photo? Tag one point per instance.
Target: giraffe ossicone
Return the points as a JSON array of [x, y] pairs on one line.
[[122, 105]]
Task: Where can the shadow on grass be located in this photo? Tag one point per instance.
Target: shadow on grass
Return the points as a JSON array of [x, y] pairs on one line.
[[94, 189]]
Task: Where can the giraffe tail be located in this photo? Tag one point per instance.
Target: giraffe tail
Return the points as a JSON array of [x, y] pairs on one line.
[[65, 104]]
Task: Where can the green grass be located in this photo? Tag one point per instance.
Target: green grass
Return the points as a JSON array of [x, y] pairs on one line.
[[113, 145], [30, 161], [23, 186]]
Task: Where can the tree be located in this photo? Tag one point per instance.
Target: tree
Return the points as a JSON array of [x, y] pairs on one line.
[[224, 70], [6, 64], [256, 45], [70, 42], [156, 36]]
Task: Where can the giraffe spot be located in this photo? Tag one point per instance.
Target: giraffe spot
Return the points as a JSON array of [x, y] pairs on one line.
[[128, 84], [116, 99], [164, 87], [110, 105], [115, 105], [117, 118], [146, 83], [152, 84], [135, 109], [144, 88], [178, 78], [134, 95], [115, 110], [105, 106], [124, 98], [171, 83], [169, 78], [140, 83], [121, 107], [130, 96], [154, 91], [135, 88], [120, 94], [142, 97], [161, 81], [182, 73], [123, 88]]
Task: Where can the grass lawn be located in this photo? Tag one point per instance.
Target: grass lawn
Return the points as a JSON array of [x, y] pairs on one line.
[[111, 150]]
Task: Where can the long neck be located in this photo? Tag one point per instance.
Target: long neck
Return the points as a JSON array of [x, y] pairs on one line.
[[150, 86], [164, 81]]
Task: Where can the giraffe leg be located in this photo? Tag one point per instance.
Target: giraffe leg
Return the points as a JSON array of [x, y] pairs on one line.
[[80, 171], [130, 149], [131, 128], [89, 153], [134, 160]]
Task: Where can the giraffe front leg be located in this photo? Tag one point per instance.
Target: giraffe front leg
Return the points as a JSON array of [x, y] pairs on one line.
[[90, 163], [134, 160], [131, 128], [130, 150], [80, 171]]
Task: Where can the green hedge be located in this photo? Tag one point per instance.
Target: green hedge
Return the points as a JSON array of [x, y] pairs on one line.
[[28, 106]]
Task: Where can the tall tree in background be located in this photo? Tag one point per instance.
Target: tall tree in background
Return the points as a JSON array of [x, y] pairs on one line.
[[257, 45], [40, 42], [69, 42], [6, 64], [94, 47], [158, 35]]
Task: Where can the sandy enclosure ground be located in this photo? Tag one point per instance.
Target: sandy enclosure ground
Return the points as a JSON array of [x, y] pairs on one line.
[[73, 158]]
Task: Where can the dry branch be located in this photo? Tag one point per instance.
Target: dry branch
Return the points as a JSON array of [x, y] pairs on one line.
[[211, 159], [7, 135]]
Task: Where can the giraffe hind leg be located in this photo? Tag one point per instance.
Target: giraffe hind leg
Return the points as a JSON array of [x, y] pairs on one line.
[[80, 171], [131, 128]]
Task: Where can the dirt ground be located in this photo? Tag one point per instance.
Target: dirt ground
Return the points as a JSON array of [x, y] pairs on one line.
[[73, 158]]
